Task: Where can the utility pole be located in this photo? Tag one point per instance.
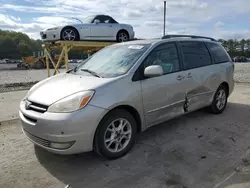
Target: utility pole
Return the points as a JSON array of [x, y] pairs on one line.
[[164, 25]]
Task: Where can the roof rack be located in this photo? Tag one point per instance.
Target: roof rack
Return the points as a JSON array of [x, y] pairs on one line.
[[190, 36]]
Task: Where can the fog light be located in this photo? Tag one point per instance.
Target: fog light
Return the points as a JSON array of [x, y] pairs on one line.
[[57, 145]]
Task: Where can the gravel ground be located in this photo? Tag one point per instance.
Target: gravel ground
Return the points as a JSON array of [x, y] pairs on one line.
[[17, 76], [242, 72], [4, 66], [199, 150]]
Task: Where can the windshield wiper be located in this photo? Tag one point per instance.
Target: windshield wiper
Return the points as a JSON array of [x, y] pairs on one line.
[[91, 72]]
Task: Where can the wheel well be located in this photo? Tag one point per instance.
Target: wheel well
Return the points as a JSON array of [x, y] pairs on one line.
[[132, 111], [225, 84], [71, 27], [129, 109], [123, 30]]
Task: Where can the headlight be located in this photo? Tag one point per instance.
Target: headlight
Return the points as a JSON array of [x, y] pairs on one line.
[[72, 103]]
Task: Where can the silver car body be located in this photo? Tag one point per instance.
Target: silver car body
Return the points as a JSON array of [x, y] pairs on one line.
[[152, 101], [90, 31]]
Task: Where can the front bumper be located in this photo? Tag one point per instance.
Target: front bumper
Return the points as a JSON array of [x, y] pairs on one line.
[[76, 129], [50, 35]]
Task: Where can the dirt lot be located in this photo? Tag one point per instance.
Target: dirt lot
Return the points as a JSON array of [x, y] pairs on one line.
[[197, 150]]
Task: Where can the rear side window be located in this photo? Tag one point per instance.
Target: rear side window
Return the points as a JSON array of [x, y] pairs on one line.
[[218, 53], [195, 54]]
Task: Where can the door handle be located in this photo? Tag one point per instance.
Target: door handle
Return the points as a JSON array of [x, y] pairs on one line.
[[180, 77], [189, 75], [110, 25]]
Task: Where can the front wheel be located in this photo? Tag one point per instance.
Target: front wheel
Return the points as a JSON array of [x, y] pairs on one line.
[[115, 135], [70, 34], [219, 101]]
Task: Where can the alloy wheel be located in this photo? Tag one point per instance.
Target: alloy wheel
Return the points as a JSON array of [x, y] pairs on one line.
[[117, 135], [122, 37], [221, 99], [69, 34]]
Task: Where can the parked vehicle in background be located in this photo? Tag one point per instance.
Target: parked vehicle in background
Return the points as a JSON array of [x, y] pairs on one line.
[[96, 27], [240, 59], [124, 89], [5, 61]]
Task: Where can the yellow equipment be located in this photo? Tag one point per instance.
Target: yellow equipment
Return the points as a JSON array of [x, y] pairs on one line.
[[32, 62], [36, 62], [65, 46]]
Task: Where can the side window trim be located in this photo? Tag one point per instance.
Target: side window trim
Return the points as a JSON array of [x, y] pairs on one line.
[[140, 70], [183, 57], [210, 53]]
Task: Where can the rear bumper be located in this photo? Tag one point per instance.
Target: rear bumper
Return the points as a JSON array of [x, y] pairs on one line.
[[131, 35]]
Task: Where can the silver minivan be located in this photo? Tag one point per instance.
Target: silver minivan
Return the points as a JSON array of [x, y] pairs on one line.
[[123, 89]]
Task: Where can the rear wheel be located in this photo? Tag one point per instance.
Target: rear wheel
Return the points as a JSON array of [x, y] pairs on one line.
[[220, 100], [38, 65], [122, 36], [70, 34], [115, 135]]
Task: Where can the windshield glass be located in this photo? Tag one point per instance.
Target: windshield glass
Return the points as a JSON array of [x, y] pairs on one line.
[[88, 19], [113, 60]]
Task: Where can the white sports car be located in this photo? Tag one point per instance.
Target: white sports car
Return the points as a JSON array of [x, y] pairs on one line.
[[97, 28]]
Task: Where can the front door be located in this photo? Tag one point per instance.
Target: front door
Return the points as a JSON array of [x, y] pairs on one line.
[[163, 96], [104, 29]]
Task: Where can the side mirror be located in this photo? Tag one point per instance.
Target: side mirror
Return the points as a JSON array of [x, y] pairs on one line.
[[96, 21], [153, 71]]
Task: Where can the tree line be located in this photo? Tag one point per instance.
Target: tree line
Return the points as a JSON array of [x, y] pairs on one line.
[[15, 45], [237, 47]]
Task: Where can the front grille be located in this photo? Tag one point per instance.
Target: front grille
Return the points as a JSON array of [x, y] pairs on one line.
[[38, 140], [36, 107]]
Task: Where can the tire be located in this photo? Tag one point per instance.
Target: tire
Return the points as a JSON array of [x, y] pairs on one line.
[[73, 34], [38, 65], [122, 36], [215, 107], [107, 131]]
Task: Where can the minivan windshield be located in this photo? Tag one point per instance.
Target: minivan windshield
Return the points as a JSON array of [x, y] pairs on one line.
[[113, 60]]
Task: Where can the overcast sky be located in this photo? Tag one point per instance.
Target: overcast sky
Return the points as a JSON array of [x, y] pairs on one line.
[[215, 18]]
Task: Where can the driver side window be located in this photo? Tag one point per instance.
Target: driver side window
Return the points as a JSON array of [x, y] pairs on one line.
[[100, 18], [166, 56]]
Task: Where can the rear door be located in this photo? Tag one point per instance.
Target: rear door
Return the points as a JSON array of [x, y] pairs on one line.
[[200, 74], [223, 63]]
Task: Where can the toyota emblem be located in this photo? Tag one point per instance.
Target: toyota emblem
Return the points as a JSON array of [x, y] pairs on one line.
[[27, 105]]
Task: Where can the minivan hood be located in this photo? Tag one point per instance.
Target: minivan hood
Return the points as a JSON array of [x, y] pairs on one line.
[[57, 87]]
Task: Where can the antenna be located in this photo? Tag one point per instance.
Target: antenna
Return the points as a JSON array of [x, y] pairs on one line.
[[164, 23], [77, 19]]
